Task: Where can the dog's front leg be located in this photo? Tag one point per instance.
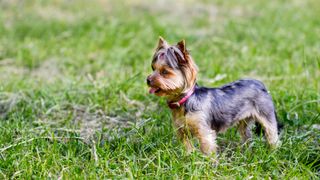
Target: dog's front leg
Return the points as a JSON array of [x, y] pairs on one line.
[[207, 139], [183, 136], [199, 127]]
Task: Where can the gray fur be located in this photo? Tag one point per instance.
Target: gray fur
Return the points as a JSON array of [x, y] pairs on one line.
[[227, 105], [211, 110], [172, 56]]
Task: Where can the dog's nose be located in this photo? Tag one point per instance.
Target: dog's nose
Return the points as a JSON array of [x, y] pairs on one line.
[[148, 80]]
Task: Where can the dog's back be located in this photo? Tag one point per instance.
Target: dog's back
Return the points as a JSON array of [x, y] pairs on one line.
[[231, 103]]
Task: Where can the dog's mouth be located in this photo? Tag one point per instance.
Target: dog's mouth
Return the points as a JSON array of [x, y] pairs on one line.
[[154, 90]]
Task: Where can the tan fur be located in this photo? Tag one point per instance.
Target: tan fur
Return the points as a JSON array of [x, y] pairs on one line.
[[177, 81], [193, 124], [162, 43], [190, 68], [179, 121], [191, 72], [244, 128], [271, 131]]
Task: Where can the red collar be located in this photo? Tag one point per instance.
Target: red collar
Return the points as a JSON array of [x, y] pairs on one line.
[[174, 105]]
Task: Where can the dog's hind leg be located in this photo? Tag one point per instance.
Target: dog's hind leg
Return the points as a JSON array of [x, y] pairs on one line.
[[270, 127], [244, 128]]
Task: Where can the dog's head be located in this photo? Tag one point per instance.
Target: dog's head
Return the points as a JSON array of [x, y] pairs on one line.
[[174, 71]]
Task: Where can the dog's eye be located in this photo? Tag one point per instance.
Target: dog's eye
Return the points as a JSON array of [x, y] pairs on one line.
[[164, 72], [152, 68]]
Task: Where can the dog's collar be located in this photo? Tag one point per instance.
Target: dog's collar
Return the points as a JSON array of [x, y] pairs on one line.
[[177, 104]]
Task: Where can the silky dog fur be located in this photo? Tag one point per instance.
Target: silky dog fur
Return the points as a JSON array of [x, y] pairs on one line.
[[208, 111]]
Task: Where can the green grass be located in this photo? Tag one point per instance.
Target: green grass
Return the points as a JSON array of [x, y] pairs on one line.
[[74, 103]]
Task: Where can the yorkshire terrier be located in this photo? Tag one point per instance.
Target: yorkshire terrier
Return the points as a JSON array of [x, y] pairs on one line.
[[203, 112]]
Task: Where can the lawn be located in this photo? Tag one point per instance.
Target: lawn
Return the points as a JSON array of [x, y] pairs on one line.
[[74, 103]]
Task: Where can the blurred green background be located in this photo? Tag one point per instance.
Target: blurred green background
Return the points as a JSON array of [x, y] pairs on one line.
[[74, 103]]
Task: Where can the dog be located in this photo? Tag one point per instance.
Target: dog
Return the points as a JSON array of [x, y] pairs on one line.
[[203, 112]]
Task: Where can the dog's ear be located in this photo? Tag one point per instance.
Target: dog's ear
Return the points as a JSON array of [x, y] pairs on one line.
[[189, 68], [182, 46], [162, 43]]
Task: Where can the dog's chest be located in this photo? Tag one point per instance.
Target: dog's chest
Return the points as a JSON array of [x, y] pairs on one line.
[[184, 121], [179, 119]]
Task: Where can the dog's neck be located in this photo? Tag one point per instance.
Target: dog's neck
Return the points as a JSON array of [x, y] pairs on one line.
[[178, 100]]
